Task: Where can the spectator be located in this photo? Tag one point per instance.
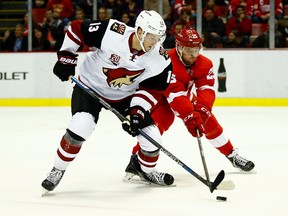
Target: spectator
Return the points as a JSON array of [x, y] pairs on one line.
[[46, 26], [241, 23], [214, 26], [169, 43], [133, 8], [185, 19], [57, 28], [166, 9], [102, 13], [87, 6], [65, 7], [48, 16], [15, 41], [47, 20], [24, 22], [39, 3], [248, 4], [283, 27], [212, 4], [179, 5], [262, 41], [262, 11], [39, 40], [125, 18], [235, 40], [207, 40], [79, 14], [113, 8]]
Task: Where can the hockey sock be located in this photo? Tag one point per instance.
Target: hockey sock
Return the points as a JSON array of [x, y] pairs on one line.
[[68, 150]]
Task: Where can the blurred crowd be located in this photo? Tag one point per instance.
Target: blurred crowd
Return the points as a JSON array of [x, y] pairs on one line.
[[225, 24]]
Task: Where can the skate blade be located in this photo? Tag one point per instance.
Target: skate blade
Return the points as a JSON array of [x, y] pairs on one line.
[[253, 171], [240, 171], [135, 179], [44, 192], [128, 176]]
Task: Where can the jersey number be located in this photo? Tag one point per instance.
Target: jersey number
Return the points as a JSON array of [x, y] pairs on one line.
[[94, 27], [210, 75], [173, 78]]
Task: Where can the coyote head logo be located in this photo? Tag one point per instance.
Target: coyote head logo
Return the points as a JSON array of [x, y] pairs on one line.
[[119, 76]]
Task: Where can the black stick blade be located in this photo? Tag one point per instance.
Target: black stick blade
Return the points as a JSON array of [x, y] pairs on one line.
[[217, 181]]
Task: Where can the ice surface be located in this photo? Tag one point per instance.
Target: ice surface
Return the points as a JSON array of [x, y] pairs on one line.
[[92, 184]]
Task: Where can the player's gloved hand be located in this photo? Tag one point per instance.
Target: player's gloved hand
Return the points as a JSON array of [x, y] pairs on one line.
[[138, 118], [65, 66], [204, 112], [193, 121]]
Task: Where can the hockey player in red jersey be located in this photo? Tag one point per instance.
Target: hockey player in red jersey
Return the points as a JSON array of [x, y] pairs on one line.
[[129, 69], [191, 69]]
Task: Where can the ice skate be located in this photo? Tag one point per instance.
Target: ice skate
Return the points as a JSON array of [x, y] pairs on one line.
[[159, 178], [133, 169], [53, 179], [240, 162]]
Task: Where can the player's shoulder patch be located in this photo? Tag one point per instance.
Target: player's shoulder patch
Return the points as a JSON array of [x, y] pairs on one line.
[[163, 52], [118, 28]]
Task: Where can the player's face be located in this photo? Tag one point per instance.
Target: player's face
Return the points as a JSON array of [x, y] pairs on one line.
[[190, 54], [150, 41]]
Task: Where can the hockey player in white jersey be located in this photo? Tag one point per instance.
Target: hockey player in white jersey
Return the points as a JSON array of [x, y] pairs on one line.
[[129, 69]]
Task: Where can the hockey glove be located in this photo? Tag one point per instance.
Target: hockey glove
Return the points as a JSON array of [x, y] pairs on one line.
[[65, 66], [193, 121], [204, 112], [138, 118]]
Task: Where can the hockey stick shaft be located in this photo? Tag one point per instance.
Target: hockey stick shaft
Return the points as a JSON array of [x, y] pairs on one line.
[[173, 157], [203, 158], [218, 179]]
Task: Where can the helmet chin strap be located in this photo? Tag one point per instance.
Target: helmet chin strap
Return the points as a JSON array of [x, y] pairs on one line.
[[141, 41]]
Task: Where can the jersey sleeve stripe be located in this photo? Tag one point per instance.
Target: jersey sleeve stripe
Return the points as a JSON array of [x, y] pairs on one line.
[[75, 30], [147, 95], [74, 38], [136, 101], [146, 100], [207, 87], [172, 96]]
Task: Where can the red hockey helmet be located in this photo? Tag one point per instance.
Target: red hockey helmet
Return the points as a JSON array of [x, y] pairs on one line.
[[188, 42], [188, 38]]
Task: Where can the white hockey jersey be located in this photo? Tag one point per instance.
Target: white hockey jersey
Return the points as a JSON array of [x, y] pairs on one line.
[[115, 71]]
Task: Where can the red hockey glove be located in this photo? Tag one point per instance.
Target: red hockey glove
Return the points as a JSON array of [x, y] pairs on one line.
[[204, 112], [65, 66], [139, 118], [193, 121]]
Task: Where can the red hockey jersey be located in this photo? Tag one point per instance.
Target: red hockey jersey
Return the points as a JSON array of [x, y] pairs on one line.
[[185, 80]]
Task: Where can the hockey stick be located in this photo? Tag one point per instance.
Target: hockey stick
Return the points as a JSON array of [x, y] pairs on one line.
[[224, 184], [212, 185], [203, 159]]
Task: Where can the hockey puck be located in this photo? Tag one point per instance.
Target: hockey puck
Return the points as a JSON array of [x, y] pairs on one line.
[[221, 198]]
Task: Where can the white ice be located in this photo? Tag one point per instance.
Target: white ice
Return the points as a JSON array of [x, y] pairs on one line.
[[92, 184]]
